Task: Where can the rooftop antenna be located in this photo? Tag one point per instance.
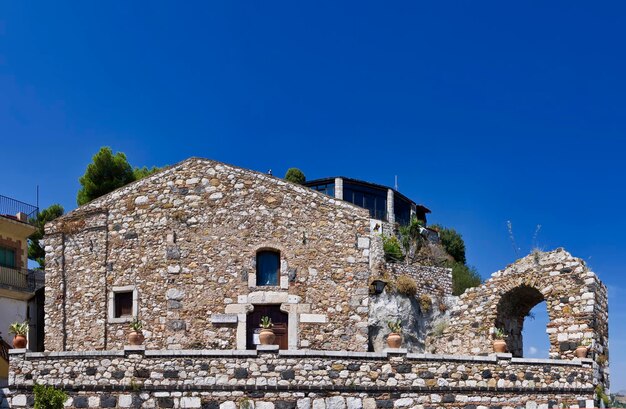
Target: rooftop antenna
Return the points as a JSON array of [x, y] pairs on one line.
[[396, 183]]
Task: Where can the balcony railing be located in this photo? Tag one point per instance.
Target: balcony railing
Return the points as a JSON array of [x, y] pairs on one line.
[[21, 279], [16, 210]]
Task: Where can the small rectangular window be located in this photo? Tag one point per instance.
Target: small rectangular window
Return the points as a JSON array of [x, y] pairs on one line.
[[123, 304], [267, 267], [7, 257]]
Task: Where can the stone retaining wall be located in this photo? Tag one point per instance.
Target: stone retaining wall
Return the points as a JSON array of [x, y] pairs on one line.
[[302, 379], [430, 280]]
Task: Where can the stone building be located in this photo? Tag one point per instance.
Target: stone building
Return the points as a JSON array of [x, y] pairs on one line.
[[201, 250]]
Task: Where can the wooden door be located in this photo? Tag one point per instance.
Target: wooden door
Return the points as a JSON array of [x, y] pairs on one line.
[[279, 319]]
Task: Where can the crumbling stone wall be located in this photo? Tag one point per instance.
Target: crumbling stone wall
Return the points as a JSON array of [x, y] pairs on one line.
[[303, 379], [186, 239], [576, 303]]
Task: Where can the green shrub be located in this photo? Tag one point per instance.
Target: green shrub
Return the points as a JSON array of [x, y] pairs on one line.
[[48, 397], [295, 175], [452, 242], [464, 277], [405, 285], [391, 247]]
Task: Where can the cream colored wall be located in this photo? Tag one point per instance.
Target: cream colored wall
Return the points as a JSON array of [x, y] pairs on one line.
[[17, 233]]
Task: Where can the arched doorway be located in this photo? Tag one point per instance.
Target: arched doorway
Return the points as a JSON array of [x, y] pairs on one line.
[[514, 306]]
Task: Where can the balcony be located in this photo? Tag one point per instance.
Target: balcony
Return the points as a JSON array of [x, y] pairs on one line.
[[21, 279], [16, 210]]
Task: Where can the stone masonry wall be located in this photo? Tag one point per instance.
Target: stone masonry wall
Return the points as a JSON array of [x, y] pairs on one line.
[[576, 303], [430, 280], [185, 240], [313, 379]]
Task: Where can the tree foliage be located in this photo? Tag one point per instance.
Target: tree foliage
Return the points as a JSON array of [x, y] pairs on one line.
[[464, 277], [35, 251], [140, 173], [106, 173], [295, 175], [452, 242]]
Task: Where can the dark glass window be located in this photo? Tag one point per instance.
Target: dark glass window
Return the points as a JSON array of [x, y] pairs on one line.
[[7, 257], [327, 188], [402, 210], [374, 200], [267, 267], [123, 304]]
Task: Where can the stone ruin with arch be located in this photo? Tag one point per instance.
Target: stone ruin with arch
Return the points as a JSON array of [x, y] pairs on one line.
[[576, 302]]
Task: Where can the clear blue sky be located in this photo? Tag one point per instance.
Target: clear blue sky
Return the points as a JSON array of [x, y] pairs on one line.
[[486, 111]]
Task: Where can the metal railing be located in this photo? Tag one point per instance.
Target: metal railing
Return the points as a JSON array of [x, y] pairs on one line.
[[10, 208], [21, 279]]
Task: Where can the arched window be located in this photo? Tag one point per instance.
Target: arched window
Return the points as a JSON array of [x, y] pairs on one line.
[[267, 267]]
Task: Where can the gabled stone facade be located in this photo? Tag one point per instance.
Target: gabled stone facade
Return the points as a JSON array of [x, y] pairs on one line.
[[185, 240]]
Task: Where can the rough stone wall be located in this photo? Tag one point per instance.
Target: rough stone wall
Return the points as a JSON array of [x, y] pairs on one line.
[[576, 303], [186, 238], [430, 280], [318, 379]]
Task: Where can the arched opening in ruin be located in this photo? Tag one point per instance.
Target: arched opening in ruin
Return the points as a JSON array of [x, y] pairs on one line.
[[513, 308], [536, 339]]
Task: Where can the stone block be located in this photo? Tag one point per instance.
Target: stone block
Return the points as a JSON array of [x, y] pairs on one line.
[[19, 400], [224, 319], [125, 401], [190, 402], [336, 402], [313, 318]]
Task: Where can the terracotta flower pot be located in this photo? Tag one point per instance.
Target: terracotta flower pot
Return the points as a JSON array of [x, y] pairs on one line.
[[19, 342], [499, 346], [135, 338], [581, 352], [394, 340], [267, 337]]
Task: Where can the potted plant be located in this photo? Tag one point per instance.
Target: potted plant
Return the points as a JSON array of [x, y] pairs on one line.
[[266, 337], [582, 350], [19, 329], [394, 339], [499, 343], [135, 337]]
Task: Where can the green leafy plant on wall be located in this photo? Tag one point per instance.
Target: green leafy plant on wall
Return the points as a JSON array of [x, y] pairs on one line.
[[392, 249], [49, 397]]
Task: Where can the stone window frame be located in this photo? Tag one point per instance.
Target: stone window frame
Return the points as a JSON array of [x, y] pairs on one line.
[[123, 289], [283, 275]]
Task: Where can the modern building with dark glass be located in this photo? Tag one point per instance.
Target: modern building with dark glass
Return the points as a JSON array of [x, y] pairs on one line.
[[383, 202]]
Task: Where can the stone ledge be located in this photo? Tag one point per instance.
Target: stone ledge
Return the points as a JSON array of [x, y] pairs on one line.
[[297, 353], [200, 352], [74, 354], [573, 362], [267, 348], [436, 357], [333, 354]]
